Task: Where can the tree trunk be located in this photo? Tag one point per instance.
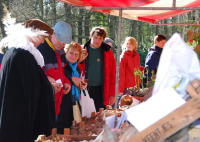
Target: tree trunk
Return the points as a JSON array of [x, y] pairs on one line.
[[161, 28], [148, 32], [112, 26], [67, 9], [54, 12], [7, 3], [69, 18], [42, 10], [80, 31], [80, 26], [87, 30], [166, 31], [157, 29], [2, 14], [174, 28], [133, 29], [197, 17], [139, 32]]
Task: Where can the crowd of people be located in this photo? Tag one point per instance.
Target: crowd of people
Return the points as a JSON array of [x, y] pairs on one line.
[[43, 72]]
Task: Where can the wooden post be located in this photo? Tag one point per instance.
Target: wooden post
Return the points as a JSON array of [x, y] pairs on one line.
[[183, 33], [53, 133], [93, 115], [82, 123], [74, 123], [107, 107], [101, 109], [66, 131], [84, 118]]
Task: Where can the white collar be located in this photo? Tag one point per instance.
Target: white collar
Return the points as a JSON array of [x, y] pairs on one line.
[[33, 50]]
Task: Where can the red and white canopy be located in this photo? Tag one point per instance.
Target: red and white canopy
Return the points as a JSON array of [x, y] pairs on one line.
[[151, 16]]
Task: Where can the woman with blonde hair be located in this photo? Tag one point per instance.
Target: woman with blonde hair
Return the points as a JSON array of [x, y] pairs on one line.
[[72, 72], [129, 63]]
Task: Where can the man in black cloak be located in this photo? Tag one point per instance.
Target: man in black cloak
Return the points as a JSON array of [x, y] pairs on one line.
[[26, 95]]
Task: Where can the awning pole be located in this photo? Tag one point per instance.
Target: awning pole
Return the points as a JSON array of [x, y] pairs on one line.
[[183, 33], [174, 4], [118, 56], [140, 8]]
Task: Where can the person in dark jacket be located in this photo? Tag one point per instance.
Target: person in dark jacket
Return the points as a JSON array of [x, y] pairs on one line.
[[152, 59], [100, 68], [26, 95], [54, 59], [72, 72]]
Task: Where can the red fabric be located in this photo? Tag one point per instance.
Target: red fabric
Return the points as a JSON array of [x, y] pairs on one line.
[[109, 75], [82, 65], [109, 3], [142, 68], [166, 15], [158, 17], [82, 68], [58, 74], [128, 65], [151, 16]]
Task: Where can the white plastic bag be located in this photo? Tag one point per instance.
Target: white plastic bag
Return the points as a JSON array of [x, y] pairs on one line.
[[87, 104], [178, 61]]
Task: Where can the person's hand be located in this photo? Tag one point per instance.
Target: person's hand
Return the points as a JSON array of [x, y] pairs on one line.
[[84, 55], [57, 87], [66, 88], [111, 100], [83, 85], [77, 81], [51, 79]]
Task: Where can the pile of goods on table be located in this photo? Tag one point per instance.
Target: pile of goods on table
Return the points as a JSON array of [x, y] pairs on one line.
[[88, 129]]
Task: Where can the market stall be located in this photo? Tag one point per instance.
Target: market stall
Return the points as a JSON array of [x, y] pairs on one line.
[[147, 11], [175, 123]]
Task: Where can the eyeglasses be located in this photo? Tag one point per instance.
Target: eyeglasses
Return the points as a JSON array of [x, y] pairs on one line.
[[75, 54]]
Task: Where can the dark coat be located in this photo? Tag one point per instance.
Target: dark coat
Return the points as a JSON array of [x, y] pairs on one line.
[[151, 63], [54, 63], [65, 117], [26, 98]]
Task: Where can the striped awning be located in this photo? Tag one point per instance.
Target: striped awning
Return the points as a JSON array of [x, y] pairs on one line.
[[147, 15]]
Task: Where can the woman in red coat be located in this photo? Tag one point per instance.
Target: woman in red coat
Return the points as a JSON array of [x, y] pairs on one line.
[[129, 63]]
